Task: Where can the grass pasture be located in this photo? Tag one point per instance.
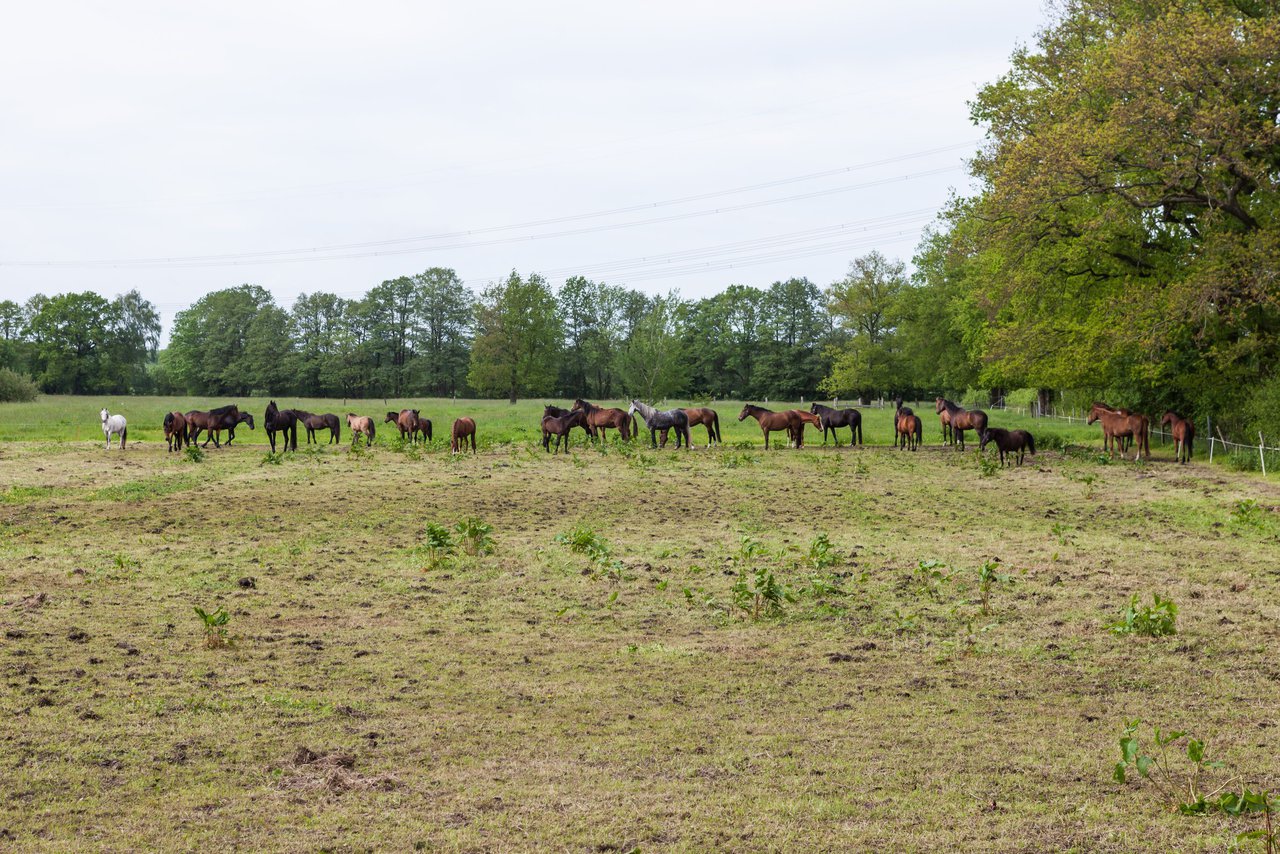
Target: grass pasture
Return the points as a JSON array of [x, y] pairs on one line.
[[619, 695]]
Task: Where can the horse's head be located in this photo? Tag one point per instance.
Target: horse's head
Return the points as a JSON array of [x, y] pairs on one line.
[[814, 409], [391, 418], [631, 410], [549, 411], [983, 438], [1093, 415], [579, 404], [246, 418], [104, 415], [1167, 418], [746, 410]]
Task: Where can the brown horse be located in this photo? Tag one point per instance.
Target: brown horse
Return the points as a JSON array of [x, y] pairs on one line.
[[708, 418], [961, 419], [175, 430], [771, 421], [944, 418], [1013, 441], [899, 412], [599, 420], [1118, 425], [463, 428], [1184, 434], [199, 421], [313, 423], [560, 426], [909, 429], [410, 424], [803, 418], [360, 425]]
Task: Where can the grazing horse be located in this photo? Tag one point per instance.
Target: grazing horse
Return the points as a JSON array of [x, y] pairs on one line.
[[664, 420], [360, 425], [1184, 434], [708, 418], [599, 420], [199, 420], [560, 427], [313, 423], [771, 421], [908, 428], [283, 421], [961, 419], [114, 425], [463, 428], [1117, 425], [833, 418], [175, 430], [1013, 441]]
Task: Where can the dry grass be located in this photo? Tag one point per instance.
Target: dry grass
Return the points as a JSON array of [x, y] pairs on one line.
[[513, 701]]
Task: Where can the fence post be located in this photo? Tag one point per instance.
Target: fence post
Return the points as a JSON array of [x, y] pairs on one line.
[[1262, 457], [1208, 429]]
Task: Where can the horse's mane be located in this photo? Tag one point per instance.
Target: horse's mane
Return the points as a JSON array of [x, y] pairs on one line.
[[223, 410]]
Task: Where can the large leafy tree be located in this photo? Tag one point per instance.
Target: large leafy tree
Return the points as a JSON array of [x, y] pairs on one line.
[[652, 363], [443, 331], [207, 351], [794, 327], [82, 343], [518, 338], [865, 304], [1126, 232]]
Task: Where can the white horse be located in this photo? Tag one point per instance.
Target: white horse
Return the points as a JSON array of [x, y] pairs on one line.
[[114, 425]]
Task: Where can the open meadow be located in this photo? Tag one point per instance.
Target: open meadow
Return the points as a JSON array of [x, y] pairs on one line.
[[721, 649]]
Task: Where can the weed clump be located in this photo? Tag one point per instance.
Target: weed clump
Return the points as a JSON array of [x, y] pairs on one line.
[[1155, 620]]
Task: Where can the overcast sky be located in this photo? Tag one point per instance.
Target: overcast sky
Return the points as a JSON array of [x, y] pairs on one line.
[[179, 148]]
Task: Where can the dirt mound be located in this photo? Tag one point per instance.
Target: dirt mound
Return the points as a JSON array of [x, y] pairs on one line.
[[334, 772]]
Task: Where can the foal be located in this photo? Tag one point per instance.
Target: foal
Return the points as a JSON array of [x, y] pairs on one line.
[[462, 429], [1184, 434], [1014, 441]]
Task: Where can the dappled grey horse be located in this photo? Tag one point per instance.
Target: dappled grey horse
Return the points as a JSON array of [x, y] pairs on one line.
[[670, 419]]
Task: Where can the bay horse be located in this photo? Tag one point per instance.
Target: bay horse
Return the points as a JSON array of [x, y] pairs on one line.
[[1184, 434], [407, 421], [600, 419], [199, 420], [228, 423], [833, 418], [560, 426], [664, 420], [771, 421], [961, 419], [708, 418], [899, 411], [1117, 425], [463, 428], [944, 418], [803, 418], [114, 425], [360, 425], [327, 421], [284, 421], [908, 428], [1013, 441], [175, 430]]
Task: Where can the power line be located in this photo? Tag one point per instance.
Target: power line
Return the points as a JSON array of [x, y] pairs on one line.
[[314, 254]]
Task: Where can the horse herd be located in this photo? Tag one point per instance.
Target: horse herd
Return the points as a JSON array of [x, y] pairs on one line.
[[1121, 429], [184, 428]]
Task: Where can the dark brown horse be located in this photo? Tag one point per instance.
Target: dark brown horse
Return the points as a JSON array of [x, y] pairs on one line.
[[226, 423], [908, 428], [559, 426], [175, 430], [961, 419], [834, 418], [1011, 441], [313, 423], [771, 421], [1184, 434], [283, 421], [198, 421], [708, 418], [410, 424], [463, 428], [360, 425], [1118, 425], [599, 420]]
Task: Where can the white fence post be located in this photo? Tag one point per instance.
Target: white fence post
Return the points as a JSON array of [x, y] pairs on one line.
[[1262, 457]]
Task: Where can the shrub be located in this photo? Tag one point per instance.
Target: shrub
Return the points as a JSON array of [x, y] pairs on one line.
[[437, 545], [16, 387], [476, 536], [194, 453], [1155, 620], [215, 626]]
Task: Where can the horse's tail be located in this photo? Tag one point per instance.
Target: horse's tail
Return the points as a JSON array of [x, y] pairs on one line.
[[1031, 444], [124, 435], [635, 425], [372, 431], [428, 429], [715, 419]]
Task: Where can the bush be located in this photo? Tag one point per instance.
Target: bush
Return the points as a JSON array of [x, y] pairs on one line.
[[1262, 413], [16, 387], [1024, 397]]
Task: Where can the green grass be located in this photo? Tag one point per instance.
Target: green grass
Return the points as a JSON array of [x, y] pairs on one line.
[[530, 699]]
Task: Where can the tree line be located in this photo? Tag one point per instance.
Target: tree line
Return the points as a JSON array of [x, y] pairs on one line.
[[430, 335]]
